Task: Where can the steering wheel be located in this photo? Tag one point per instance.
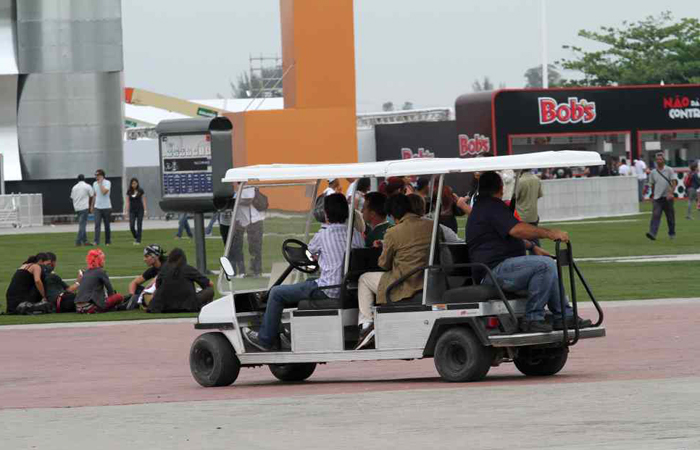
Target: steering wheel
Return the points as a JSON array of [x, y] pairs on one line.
[[298, 256]]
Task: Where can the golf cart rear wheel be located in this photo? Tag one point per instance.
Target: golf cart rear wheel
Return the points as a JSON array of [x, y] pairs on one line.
[[292, 372], [541, 362], [459, 356], [213, 362]]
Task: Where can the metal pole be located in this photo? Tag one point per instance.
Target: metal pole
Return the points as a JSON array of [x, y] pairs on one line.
[[200, 243], [543, 29], [2, 174]]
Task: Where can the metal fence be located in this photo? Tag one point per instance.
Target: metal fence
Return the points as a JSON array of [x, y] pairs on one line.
[[21, 210]]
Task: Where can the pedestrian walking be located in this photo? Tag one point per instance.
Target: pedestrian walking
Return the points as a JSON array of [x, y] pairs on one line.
[[135, 209], [663, 184], [81, 194], [183, 225], [102, 206]]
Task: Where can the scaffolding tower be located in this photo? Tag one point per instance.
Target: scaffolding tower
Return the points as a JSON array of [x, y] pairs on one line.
[[265, 76]]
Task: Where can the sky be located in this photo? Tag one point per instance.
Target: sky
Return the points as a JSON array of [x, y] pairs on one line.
[[425, 52]]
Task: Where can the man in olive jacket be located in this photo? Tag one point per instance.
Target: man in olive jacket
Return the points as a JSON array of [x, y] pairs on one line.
[[406, 246]]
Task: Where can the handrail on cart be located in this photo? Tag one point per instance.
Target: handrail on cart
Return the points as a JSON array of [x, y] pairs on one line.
[[443, 267], [566, 258]]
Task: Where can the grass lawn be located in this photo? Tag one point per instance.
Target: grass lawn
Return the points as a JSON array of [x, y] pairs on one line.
[[609, 238]]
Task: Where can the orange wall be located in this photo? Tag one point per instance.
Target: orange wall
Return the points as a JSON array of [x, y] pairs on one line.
[[318, 124]]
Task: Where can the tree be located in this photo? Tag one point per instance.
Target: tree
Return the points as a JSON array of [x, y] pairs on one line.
[[388, 106], [251, 86], [478, 86], [486, 85], [533, 76], [407, 106], [646, 52]]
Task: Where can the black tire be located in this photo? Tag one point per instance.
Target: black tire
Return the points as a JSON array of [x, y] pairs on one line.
[[459, 356], [213, 362], [541, 362], [292, 372]]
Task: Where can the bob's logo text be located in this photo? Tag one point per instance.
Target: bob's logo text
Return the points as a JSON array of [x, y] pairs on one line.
[[573, 111], [472, 147]]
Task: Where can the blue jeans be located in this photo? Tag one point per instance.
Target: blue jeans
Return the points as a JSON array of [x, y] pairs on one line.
[[136, 224], [285, 296], [210, 226], [100, 215], [537, 275], [184, 224], [82, 226]]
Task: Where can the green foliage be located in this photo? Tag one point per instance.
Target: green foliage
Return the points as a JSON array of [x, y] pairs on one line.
[[645, 52], [486, 85], [533, 76]]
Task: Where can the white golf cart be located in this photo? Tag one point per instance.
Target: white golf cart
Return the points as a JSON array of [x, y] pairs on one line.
[[465, 327]]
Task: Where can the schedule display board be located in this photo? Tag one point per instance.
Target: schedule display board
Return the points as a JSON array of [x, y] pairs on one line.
[[194, 156], [187, 166]]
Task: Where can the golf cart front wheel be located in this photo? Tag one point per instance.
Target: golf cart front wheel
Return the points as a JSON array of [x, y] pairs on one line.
[[459, 356], [292, 372], [213, 362], [541, 362]]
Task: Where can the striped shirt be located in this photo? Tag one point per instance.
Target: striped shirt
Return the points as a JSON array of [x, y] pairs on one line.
[[329, 245]]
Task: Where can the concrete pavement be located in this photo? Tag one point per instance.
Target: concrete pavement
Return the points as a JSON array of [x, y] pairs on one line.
[[129, 386]]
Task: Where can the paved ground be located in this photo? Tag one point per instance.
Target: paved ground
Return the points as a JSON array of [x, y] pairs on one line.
[[128, 386]]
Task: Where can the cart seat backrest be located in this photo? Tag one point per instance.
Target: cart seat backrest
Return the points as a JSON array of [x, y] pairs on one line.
[[364, 260]]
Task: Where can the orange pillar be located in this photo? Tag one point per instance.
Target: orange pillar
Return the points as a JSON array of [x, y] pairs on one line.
[[318, 124]]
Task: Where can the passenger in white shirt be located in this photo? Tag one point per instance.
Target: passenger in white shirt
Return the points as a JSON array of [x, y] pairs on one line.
[[81, 195], [624, 170], [640, 169]]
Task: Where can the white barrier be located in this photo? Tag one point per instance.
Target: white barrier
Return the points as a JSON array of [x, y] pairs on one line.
[[581, 198], [21, 210]]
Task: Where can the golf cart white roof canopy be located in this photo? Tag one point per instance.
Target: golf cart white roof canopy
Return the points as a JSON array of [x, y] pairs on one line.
[[409, 167]]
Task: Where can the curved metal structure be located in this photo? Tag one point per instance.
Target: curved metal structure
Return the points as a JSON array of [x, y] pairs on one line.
[[61, 96], [70, 124], [68, 36]]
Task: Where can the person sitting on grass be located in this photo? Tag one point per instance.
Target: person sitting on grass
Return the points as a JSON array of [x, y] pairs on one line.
[[91, 296], [60, 295], [175, 291], [27, 285], [328, 246], [154, 257]]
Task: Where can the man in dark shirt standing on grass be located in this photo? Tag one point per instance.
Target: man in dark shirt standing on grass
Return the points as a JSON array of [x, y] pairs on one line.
[[496, 238], [663, 184]]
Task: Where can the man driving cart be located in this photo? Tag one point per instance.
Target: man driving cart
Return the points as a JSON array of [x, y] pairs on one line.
[[328, 247]]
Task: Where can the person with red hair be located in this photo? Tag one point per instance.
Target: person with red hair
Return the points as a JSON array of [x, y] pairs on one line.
[[91, 296]]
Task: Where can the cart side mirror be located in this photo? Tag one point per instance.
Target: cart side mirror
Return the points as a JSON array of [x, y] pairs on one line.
[[227, 267]]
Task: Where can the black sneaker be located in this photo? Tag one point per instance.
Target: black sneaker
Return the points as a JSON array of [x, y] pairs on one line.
[[366, 337], [582, 323], [254, 340], [651, 237], [535, 326], [285, 342]]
